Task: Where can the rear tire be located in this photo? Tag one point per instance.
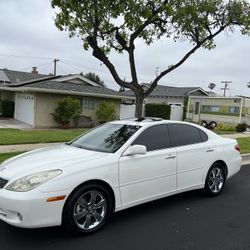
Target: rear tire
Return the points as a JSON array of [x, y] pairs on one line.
[[215, 180], [87, 210]]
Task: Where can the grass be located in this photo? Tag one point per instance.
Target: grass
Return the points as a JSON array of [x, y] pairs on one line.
[[244, 145], [223, 132], [5, 156], [16, 136]]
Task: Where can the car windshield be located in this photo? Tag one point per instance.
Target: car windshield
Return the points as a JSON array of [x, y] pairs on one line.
[[106, 138]]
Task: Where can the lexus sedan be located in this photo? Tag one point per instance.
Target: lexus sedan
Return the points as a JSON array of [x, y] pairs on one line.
[[115, 166]]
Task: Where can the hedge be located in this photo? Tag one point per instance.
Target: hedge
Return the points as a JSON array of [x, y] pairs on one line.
[[158, 110]]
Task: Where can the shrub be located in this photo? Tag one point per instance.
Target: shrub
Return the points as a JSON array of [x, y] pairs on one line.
[[68, 109], [106, 111], [158, 110], [223, 127], [241, 127], [7, 108]]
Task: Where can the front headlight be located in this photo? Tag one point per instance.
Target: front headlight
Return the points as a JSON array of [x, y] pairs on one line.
[[29, 182]]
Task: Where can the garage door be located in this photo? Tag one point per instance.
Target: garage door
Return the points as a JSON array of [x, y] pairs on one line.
[[25, 108]]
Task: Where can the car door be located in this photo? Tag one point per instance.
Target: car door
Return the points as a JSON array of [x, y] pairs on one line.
[[194, 154], [153, 174]]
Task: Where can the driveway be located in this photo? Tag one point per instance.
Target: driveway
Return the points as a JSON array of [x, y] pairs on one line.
[[11, 123], [185, 221]]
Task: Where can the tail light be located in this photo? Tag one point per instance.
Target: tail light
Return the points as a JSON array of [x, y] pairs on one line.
[[237, 147]]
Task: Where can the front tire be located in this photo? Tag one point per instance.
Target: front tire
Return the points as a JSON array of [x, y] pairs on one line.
[[215, 180], [87, 210]]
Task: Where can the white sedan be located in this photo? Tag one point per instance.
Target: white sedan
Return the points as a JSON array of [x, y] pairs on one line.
[[112, 167]]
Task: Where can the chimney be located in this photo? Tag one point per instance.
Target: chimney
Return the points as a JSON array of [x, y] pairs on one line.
[[34, 70]]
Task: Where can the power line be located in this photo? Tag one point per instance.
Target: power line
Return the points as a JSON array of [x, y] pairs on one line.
[[29, 57]]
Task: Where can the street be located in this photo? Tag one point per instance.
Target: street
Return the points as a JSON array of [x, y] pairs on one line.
[[185, 221]]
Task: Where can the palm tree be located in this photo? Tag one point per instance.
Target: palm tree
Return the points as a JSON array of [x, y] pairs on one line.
[[211, 86]]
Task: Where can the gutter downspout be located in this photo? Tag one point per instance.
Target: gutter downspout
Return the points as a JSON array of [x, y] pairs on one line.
[[241, 105]]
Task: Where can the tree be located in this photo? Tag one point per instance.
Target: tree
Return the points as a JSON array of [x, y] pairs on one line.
[[95, 78], [107, 25], [211, 86]]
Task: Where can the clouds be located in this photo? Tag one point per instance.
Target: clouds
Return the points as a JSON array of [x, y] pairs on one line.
[[27, 29]]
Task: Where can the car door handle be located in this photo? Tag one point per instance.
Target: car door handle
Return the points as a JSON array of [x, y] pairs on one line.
[[210, 150], [170, 157]]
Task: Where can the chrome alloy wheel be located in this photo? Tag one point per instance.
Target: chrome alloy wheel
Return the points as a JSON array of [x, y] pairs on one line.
[[216, 180], [89, 210]]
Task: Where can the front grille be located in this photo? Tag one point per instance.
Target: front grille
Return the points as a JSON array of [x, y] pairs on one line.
[[3, 182]]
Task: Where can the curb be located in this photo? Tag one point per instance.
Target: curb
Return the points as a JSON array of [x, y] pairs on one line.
[[245, 159]]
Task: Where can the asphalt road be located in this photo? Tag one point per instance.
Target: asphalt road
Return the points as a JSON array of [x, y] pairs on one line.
[[185, 221]]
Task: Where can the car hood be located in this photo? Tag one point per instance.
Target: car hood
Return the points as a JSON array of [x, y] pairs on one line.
[[56, 157]]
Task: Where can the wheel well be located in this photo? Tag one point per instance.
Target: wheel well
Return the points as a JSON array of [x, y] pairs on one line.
[[104, 184], [224, 166]]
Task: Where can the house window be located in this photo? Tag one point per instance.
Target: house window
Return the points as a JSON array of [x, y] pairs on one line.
[[234, 109], [88, 104], [208, 108]]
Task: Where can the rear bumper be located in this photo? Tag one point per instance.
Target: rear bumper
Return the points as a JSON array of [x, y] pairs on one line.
[[234, 166], [31, 209]]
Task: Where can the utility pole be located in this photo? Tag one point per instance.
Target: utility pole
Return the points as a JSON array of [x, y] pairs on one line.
[[225, 87], [55, 61]]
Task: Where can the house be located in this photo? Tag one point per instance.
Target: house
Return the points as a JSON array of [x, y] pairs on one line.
[[171, 95], [36, 95], [228, 110]]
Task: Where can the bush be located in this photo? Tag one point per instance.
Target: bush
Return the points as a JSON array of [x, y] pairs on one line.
[[68, 109], [223, 127], [106, 111], [158, 110], [7, 108], [241, 127]]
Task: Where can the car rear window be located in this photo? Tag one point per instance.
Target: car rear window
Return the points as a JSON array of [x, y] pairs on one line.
[[183, 134]]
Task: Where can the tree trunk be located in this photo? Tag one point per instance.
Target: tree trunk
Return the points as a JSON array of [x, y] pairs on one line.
[[139, 105]]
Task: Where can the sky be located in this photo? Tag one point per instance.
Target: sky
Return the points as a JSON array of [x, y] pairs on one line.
[[29, 38]]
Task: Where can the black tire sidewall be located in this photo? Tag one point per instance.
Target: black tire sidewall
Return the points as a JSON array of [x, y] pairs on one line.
[[67, 216]]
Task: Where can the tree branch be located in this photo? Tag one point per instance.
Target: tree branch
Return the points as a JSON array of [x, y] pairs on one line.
[[173, 67], [99, 54]]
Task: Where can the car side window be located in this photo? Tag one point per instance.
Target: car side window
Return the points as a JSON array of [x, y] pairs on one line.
[[203, 136], [183, 134], [154, 138]]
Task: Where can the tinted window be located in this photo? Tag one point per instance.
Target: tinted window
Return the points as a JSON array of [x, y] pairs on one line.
[[203, 136], [107, 138], [154, 138], [185, 134]]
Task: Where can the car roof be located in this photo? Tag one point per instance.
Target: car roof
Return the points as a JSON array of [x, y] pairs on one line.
[[149, 121], [145, 121]]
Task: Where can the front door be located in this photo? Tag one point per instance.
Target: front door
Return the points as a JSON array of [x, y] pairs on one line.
[[145, 176]]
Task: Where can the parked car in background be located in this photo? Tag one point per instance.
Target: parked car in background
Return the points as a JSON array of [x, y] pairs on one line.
[[112, 167]]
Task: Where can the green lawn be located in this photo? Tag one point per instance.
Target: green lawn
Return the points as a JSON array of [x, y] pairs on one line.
[[222, 132], [16, 136], [6, 156], [244, 145]]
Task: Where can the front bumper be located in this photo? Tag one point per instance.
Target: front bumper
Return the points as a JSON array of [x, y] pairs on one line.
[[31, 209]]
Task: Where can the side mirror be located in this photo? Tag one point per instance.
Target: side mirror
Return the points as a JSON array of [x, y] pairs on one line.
[[136, 150]]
